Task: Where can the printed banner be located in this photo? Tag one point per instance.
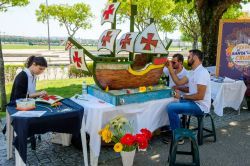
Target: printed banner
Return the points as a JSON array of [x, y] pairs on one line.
[[233, 52]]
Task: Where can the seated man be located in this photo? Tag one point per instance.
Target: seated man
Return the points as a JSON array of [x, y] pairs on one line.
[[180, 71], [198, 100]]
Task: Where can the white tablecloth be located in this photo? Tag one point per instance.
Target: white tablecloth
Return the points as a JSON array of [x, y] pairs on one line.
[[151, 115], [227, 95]]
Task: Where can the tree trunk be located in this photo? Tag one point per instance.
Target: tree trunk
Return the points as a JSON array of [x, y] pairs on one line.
[[2, 80], [210, 13], [209, 35], [195, 43]]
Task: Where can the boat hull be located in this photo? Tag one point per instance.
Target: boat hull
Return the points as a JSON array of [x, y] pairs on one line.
[[116, 78]]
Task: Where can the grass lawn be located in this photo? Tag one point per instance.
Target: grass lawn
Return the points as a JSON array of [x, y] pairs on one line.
[[65, 88]]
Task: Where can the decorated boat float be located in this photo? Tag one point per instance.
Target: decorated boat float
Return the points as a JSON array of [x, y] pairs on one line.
[[114, 74]]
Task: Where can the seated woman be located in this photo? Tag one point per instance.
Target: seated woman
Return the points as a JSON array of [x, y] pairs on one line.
[[25, 82]]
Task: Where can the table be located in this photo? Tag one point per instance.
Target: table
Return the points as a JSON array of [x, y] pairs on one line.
[[53, 120], [97, 113], [227, 94]]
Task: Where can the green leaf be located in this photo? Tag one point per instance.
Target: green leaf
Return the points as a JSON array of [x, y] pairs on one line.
[[72, 17]]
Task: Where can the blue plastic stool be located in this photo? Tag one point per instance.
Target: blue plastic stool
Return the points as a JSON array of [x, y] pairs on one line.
[[179, 134]]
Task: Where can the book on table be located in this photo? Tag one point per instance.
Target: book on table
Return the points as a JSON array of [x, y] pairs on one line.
[[49, 99]]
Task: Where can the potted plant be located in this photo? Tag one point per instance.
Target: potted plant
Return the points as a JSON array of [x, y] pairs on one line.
[[120, 131]]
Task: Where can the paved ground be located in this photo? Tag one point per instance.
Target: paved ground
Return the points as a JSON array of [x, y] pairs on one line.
[[231, 149]]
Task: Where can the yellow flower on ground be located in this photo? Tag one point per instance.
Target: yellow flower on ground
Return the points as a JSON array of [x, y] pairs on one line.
[[118, 147], [107, 135]]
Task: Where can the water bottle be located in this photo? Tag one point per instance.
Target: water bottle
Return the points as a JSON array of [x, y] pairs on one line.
[[84, 88]]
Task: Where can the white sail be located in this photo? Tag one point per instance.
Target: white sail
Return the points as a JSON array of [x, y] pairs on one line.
[[109, 12], [78, 58], [126, 42], [107, 39], [149, 42]]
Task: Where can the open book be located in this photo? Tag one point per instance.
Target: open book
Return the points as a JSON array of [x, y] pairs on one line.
[[50, 99]]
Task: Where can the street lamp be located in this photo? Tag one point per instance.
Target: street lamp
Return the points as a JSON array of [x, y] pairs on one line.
[[48, 26]]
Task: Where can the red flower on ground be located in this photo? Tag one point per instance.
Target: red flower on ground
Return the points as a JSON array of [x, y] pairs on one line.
[[128, 139], [147, 133]]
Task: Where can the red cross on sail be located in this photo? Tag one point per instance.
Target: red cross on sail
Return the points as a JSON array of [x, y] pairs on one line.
[[77, 56], [68, 45], [149, 42], [126, 42], [106, 38], [77, 60], [109, 12]]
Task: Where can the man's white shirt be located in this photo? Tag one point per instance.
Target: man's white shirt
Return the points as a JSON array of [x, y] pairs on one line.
[[200, 76], [180, 75]]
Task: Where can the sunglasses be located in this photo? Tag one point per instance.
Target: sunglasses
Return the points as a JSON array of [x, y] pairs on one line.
[[173, 63]]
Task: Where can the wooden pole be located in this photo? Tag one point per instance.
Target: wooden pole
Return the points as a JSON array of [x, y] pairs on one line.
[[113, 26], [133, 9]]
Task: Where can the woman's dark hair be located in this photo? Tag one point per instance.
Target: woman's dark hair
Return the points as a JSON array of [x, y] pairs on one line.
[[38, 60]]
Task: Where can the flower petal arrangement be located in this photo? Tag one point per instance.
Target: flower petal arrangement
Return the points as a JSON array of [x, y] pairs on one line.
[[120, 131]]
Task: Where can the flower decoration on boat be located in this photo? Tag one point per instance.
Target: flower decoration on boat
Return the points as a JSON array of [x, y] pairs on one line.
[[120, 131], [142, 89]]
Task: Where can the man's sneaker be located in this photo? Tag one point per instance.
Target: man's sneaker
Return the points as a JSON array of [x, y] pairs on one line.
[[181, 142]]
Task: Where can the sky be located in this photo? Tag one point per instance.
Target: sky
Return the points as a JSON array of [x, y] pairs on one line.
[[21, 21]]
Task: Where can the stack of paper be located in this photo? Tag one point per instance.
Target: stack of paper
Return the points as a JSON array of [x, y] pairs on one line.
[[28, 113]]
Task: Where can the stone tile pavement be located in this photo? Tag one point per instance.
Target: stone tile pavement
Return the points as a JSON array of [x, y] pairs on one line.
[[232, 148]]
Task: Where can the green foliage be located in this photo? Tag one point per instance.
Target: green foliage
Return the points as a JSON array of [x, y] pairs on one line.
[[10, 71], [78, 73], [233, 11], [188, 21], [72, 17], [2, 114], [5, 4], [185, 64], [146, 9]]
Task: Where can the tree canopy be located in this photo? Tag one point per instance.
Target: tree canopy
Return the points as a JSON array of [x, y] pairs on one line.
[[5, 4], [209, 13], [146, 9], [188, 21], [72, 17]]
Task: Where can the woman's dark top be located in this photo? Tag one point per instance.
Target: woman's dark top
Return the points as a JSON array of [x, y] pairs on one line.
[[20, 87]]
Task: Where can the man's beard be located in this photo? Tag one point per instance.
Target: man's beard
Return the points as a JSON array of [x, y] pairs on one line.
[[174, 67], [190, 63]]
